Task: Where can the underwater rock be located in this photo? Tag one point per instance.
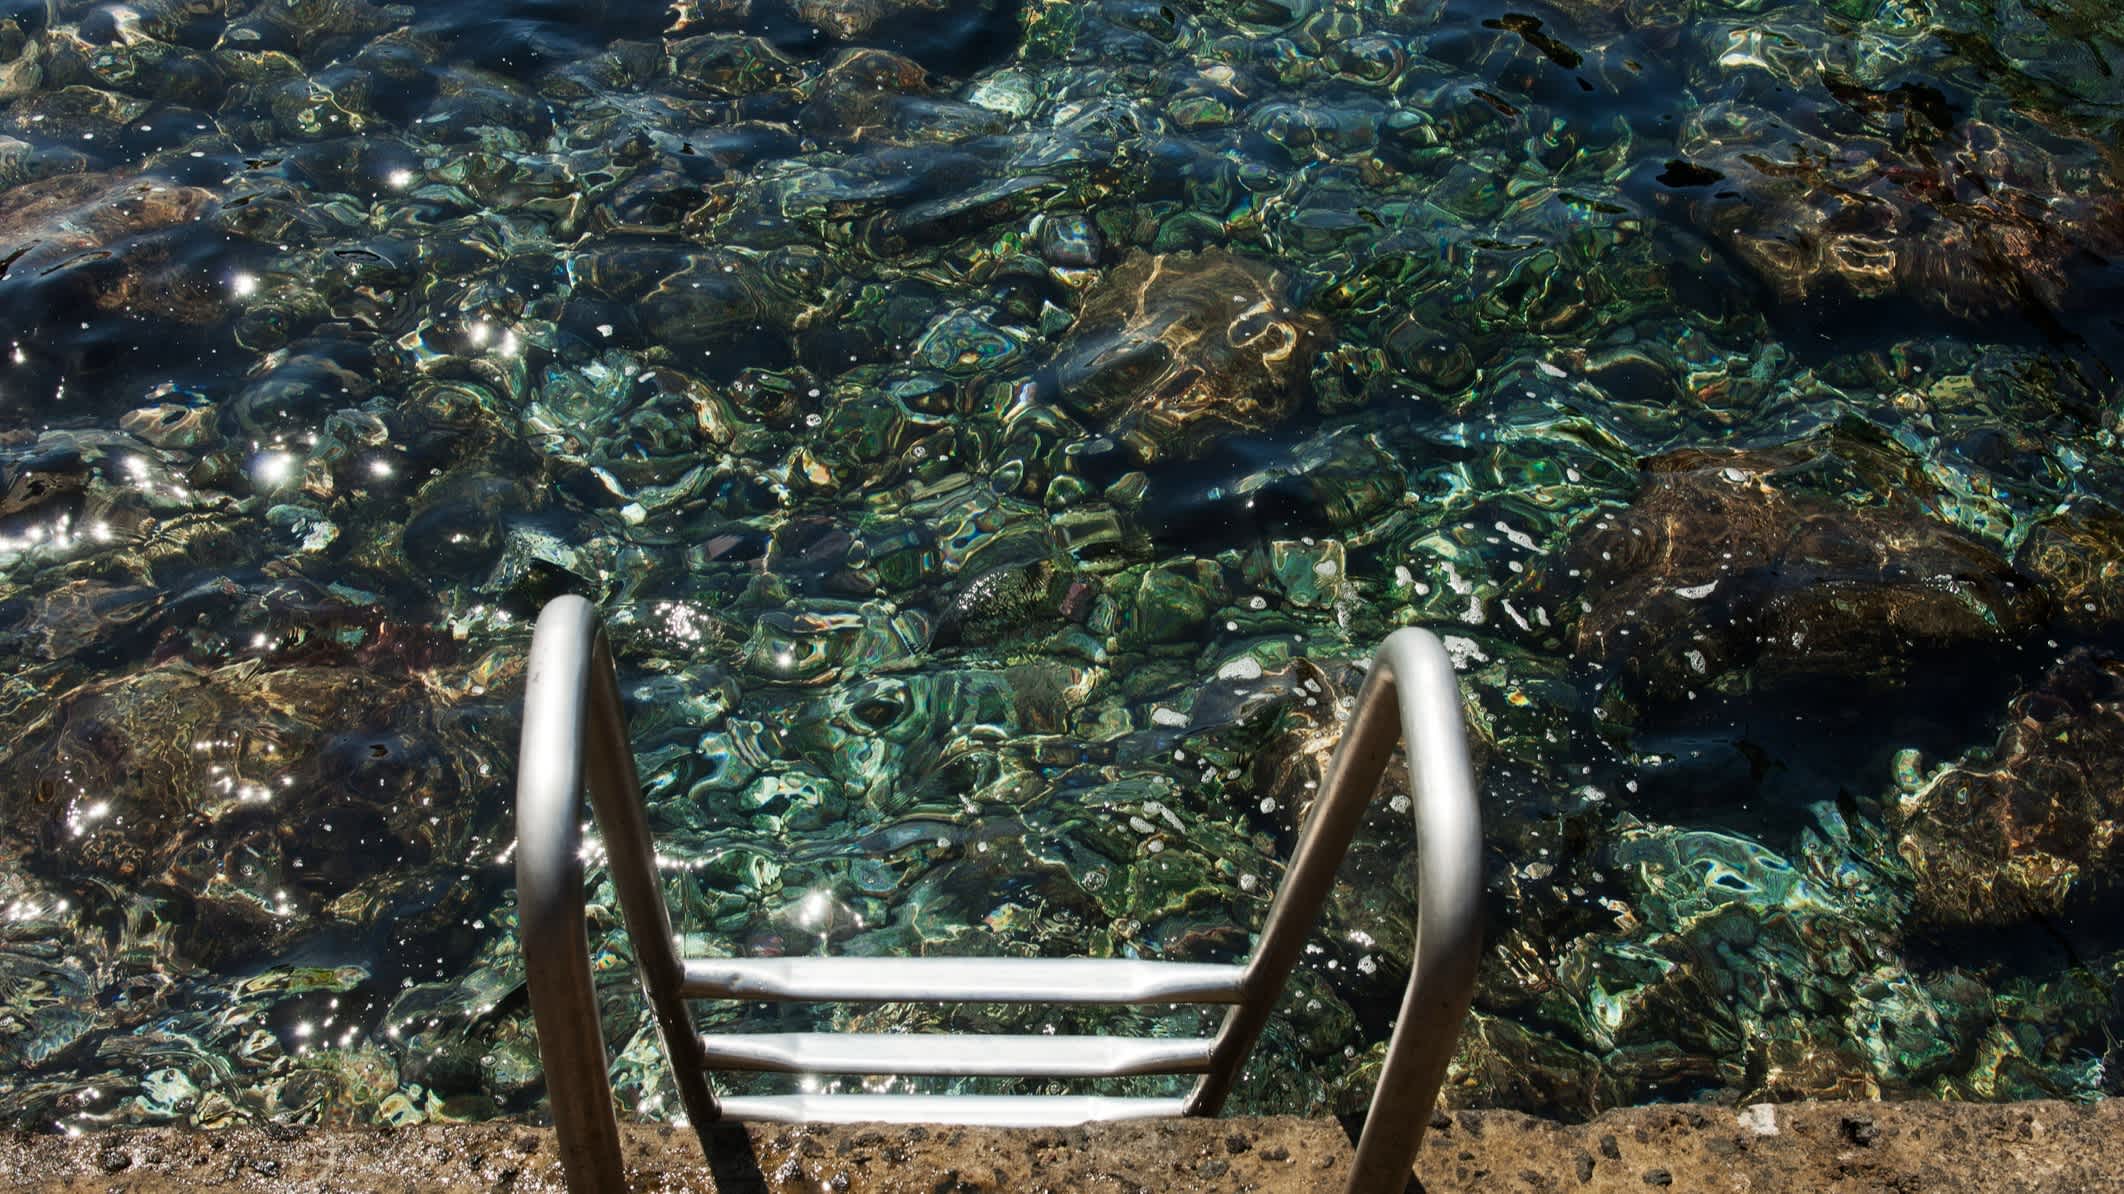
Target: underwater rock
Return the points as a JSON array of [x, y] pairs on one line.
[[255, 795], [1971, 223], [823, 641], [896, 742], [457, 532], [2012, 834], [483, 107], [1329, 483], [83, 614], [1068, 240], [23, 26], [849, 20], [1505, 1060], [1011, 600], [306, 24], [51, 996], [1719, 566], [1173, 352], [688, 13], [78, 227], [719, 297], [332, 103], [444, 1027], [1723, 961], [1170, 603], [2078, 552], [722, 65], [306, 383], [1308, 572], [74, 492], [21, 162], [875, 95], [77, 113]]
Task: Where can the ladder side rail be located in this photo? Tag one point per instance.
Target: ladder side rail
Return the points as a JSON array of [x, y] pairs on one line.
[[1409, 694], [575, 731], [616, 793], [1448, 921]]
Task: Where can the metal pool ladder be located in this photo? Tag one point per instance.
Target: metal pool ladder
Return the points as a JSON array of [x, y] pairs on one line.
[[575, 738]]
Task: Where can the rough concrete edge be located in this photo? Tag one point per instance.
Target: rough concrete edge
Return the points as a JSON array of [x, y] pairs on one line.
[[1967, 1148]]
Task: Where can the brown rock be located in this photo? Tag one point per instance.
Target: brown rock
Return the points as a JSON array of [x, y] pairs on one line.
[[259, 795], [1173, 351], [1720, 566], [1973, 220], [1501, 1060], [864, 91], [53, 219], [851, 19], [89, 238], [1999, 842], [2079, 554]]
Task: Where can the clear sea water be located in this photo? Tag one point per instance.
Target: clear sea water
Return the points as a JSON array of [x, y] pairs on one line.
[[995, 433]]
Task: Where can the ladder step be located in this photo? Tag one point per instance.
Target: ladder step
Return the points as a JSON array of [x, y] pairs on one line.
[[992, 1111], [963, 980], [956, 1056]]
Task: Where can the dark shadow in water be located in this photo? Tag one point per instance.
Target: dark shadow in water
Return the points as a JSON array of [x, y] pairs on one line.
[[2073, 938], [1746, 763], [731, 1159]]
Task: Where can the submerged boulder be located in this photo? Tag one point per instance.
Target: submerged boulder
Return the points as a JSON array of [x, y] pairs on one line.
[[261, 797], [1174, 351], [1969, 221], [2003, 836], [2079, 553], [82, 245], [877, 95], [1719, 566], [56, 219], [848, 20]]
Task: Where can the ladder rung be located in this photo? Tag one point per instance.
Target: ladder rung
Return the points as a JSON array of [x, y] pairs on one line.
[[964, 980], [993, 1111], [957, 1056]]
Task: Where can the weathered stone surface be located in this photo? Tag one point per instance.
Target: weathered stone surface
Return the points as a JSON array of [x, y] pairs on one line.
[[62, 216], [2060, 1148], [85, 239], [1977, 222]]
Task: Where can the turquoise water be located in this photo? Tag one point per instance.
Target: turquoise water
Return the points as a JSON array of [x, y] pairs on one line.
[[995, 434]]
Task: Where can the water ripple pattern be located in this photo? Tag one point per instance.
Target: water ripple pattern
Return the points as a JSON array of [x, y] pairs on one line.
[[996, 432]]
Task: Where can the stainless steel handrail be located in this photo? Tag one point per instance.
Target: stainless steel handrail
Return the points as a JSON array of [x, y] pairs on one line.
[[575, 730], [575, 738], [1448, 910]]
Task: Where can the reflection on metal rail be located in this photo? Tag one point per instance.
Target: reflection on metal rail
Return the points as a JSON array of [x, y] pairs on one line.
[[575, 740]]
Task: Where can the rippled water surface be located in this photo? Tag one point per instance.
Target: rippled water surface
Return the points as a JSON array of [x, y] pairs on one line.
[[996, 433]]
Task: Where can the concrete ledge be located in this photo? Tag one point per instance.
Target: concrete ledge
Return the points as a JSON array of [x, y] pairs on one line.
[[1968, 1149]]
